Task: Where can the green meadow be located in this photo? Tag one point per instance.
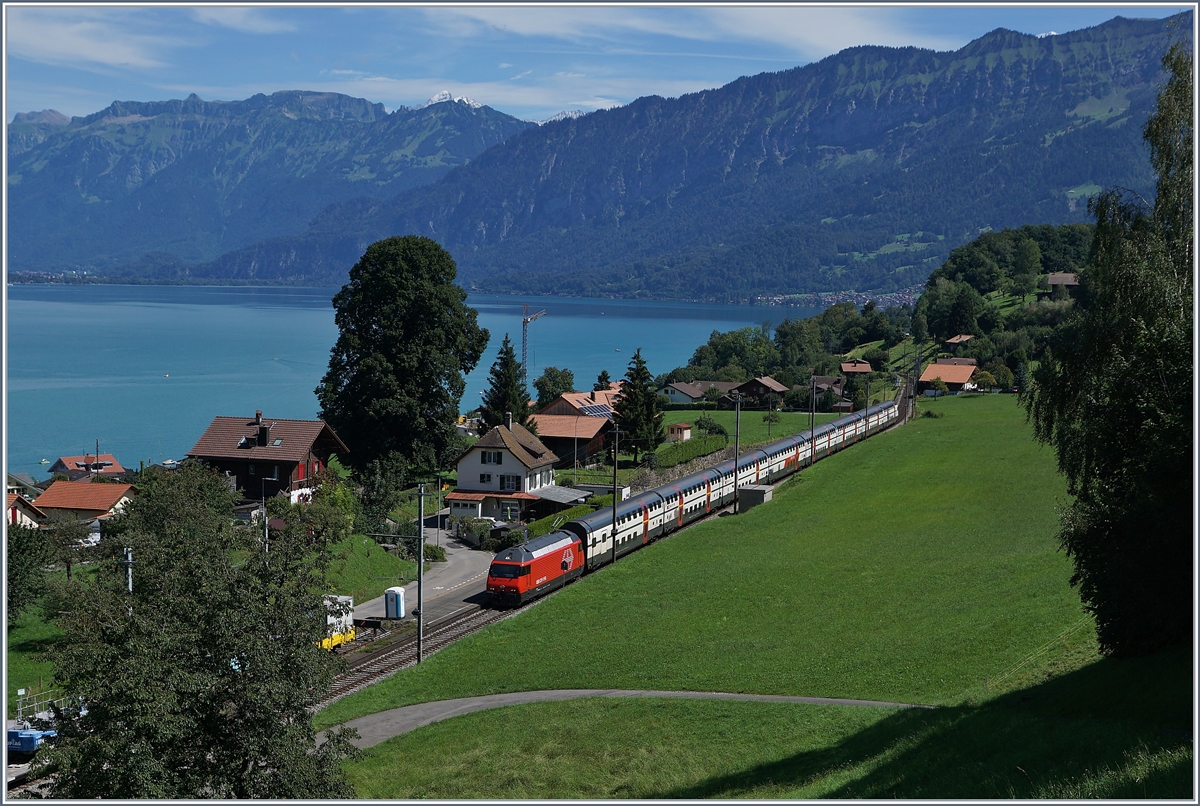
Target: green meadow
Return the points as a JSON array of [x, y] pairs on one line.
[[911, 567], [920, 566]]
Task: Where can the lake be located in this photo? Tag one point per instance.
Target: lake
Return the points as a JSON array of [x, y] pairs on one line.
[[144, 369]]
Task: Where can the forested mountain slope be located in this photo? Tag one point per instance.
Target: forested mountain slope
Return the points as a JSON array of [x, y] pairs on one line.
[[197, 178], [858, 171]]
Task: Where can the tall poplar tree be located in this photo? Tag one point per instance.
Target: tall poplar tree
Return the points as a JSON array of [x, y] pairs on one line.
[[636, 409], [1113, 396], [506, 391]]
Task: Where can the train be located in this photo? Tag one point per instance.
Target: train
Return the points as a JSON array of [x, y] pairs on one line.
[[522, 573]]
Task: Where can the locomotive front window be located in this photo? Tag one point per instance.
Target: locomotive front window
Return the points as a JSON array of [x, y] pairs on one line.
[[506, 571]]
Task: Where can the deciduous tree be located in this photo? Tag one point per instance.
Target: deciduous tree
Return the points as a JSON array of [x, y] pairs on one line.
[[28, 553], [406, 337], [552, 383], [198, 683], [1114, 398]]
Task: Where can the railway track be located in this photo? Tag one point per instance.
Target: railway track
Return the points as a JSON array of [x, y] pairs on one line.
[[376, 666]]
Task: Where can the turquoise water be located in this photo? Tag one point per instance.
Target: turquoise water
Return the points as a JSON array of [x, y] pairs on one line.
[[144, 369]]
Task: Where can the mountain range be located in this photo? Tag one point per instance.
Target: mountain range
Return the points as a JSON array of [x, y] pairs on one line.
[[860, 171]]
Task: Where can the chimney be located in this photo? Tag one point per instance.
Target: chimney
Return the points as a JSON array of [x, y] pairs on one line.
[[264, 433], [593, 395], [508, 419], [258, 416]]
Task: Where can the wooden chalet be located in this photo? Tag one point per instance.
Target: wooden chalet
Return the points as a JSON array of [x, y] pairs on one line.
[[265, 457]]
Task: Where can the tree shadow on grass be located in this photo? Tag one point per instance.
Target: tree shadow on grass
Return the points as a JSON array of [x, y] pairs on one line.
[[1110, 729]]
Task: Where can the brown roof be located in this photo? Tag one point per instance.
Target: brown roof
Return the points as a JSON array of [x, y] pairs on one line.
[[83, 495], [223, 439], [962, 338], [84, 463], [527, 448], [949, 373], [856, 365], [960, 361], [455, 495], [767, 381], [567, 425], [1062, 278], [696, 389], [13, 498]]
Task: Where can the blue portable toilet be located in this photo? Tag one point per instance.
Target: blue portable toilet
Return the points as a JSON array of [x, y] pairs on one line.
[[393, 603]]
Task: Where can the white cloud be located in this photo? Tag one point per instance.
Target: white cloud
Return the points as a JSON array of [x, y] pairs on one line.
[[504, 65], [246, 20], [816, 32], [78, 38], [520, 75], [808, 32]]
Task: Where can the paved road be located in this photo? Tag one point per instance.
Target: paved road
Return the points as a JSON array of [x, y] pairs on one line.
[[380, 727], [451, 586]]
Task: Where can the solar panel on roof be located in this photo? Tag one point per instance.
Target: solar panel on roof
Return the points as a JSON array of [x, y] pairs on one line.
[[597, 411]]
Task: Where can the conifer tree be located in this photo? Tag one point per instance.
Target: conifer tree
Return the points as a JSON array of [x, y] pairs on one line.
[[506, 392], [636, 409], [602, 381]]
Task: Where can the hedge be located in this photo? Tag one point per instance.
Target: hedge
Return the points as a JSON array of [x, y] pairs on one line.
[[676, 453]]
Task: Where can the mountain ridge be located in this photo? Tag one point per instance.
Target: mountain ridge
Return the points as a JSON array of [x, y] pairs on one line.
[[861, 170]]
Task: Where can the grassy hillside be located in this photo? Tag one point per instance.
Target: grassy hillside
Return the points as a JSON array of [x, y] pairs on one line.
[[920, 566], [911, 567]]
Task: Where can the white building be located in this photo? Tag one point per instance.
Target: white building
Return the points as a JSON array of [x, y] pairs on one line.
[[504, 473]]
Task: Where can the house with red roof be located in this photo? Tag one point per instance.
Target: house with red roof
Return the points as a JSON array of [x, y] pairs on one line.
[[585, 404], [23, 512], [572, 438], [85, 500], [77, 467], [509, 475], [955, 376], [264, 457]]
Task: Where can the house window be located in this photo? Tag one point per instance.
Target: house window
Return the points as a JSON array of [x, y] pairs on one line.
[[510, 511], [510, 483], [491, 457], [251, 470], [485, 478]]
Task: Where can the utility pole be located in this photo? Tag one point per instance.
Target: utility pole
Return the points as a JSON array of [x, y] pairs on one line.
[[128, 563], [420, 612], [737, 431], [526, 318], [616, 462], [812, 418]]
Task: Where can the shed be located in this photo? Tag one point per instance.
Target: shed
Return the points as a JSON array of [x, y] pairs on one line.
[[680, 432]]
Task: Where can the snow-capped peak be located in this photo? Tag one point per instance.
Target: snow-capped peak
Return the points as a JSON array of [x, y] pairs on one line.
[[444, 96], [1048, 33], [567, 115]]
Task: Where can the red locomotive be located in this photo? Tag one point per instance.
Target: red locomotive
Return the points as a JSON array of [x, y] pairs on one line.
[[531, 569]]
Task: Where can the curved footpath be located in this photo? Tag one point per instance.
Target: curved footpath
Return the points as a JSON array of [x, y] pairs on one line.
[[380, 727]]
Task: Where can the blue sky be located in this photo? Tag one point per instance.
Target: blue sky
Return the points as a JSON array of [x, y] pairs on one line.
[[531, 62]]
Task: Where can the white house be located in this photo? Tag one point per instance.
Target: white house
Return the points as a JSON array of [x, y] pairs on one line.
[[505, 473]]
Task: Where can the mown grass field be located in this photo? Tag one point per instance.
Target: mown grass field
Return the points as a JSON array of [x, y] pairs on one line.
[[920, 566], [910, 567]]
